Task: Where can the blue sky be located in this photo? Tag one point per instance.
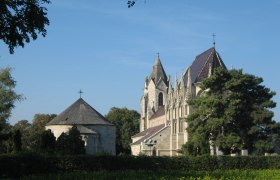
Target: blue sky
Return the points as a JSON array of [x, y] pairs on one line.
[[107, 50]]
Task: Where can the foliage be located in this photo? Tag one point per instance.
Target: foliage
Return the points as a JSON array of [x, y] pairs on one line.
[[26, 164], [8, 96], [38, 127], [32, 133], [21, 20], [130, 3], [233, 113], [25, 128], [127, 125], [16, 135], [47, 142], [70, 143]]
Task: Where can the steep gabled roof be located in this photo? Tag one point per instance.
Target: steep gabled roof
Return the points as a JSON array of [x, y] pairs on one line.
[[203, 64], [148, 133], [158, 72], [79, 113]]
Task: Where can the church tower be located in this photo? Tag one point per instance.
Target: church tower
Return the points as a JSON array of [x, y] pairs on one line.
[[155, 93]]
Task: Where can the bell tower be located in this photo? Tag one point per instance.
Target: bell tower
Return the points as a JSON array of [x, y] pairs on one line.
[[155, 93]]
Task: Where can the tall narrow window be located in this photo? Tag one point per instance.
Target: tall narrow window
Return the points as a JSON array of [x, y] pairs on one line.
[[181, 111], [169, 118], [146, 103], [160, 99], [181, 125], [174, 126]]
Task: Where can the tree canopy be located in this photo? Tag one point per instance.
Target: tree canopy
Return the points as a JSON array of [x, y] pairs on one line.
[[70, 142], [233, 113], [8, 96], [127, 124], [22, 20]]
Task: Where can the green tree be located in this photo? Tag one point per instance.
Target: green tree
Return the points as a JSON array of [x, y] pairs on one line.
[[127, 124], [71, 142], [37, 128], [25, 128], [17, 145], [47, 142], [22, 20], [233, 112], [8, 96]]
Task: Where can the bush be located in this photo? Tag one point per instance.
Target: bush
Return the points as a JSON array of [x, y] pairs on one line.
[[26, 164]]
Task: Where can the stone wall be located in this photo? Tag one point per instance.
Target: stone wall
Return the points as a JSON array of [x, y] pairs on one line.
[[57, 130], [103, 142], [157, 121], [106, 138]]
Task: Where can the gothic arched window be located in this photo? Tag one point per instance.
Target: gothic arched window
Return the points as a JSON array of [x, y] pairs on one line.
[[160, 99]]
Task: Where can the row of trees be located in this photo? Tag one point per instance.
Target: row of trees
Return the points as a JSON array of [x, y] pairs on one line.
[[233, 113], [25, 137], [31, 137]]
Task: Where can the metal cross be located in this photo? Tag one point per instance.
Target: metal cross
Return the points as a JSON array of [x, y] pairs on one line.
[[158, 54], [80, 92], [214, 42]]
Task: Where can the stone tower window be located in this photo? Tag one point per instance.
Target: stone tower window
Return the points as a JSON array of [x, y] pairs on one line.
[[181, 125], [160, 99], [174, 126]]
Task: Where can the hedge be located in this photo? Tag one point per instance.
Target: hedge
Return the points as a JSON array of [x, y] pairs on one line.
[[27, 164]]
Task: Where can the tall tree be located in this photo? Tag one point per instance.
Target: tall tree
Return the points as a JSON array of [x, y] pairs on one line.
[[127, 124], [8, 96], [22, 20], [17, 145], [71, 142], [38, 127], [233, 112], [26, 129], [47, 142]]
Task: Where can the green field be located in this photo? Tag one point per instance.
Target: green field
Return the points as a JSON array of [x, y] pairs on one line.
[[166, 175]]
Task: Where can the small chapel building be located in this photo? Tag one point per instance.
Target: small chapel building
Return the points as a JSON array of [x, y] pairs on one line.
[[98, 133], [164, 109]]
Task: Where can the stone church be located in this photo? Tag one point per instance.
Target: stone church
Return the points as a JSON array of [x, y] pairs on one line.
[[164, 108], [98, 133]]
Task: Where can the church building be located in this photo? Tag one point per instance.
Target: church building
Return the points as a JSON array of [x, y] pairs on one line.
[[164, 108], [98, 133]]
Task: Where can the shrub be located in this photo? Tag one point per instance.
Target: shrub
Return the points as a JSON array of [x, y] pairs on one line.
[[26, 164]]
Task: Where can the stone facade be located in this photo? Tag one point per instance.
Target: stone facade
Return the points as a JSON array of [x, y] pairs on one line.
[[164, 108], [98, 134]]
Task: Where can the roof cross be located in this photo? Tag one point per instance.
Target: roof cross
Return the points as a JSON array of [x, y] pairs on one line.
[[214, 42], [80, 92]]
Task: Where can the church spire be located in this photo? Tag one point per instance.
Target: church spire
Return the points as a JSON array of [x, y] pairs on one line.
[[189, 85], [170, 89], [158, 72]]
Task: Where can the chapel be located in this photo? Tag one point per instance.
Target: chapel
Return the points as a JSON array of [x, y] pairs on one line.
[[98, 133], [164, 107]]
